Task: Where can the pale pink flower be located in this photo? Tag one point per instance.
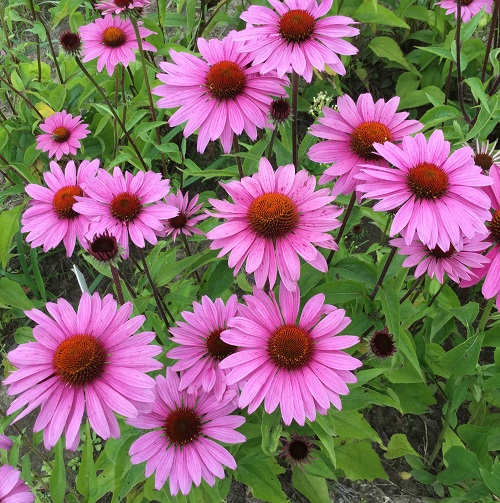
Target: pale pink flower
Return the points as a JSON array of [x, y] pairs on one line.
[[297, 364], [185, 221], [221, 94], [13, 489], [275, 218], [351, 131], [119, 6], [435, 193], [51, 218], [62, 133], [292, 37], [5, 442], [112, 40], [181, 448], [85, 360], [469, 8], [122, 205]]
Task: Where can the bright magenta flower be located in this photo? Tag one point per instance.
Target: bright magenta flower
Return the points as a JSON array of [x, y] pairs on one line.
[[119, 6], [469, 8], [181, 448], [351, 132], [221, 94], [293, 37], [87, 359], [13, 489], [51, 218], [62, 133], [296, 364], [435, 193], [112, 40], [276, 216], [185, 221]]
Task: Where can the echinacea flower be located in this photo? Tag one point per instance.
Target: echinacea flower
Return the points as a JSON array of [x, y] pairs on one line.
[[275, 217], [71, 42], [485, 156], [13, 489], [121, 6], [181, 448], [113, 41], [436, 262], [293, 37], [185, 221], [122, 205], [84, 360], [297, 364], [51, 218], [221, 94], [201, 347], [350, 132], [469, 8], [435, 193], [382, 343], [5, 442], [297, 450], [62, 133], [104, 247]]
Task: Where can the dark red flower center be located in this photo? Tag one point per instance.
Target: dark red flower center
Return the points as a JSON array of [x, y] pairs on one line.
[[494, 226], [365, 135], [70, 42], [466, 2], [439, 253], [382, 344], [298, 449], [290, 347], [279, 110], [225, 80], [103, 246], [216, 347], [484, 161], [296, 25], [125, 206], [272, 215], [428, 181], [113, 37], [61, 134], [79, 360], [64, 200], [182, 426], [179, 221], [122, 3]]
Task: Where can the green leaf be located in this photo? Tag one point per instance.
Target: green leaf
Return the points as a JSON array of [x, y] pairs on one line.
[[355, 269], [398, 446], [271, 431], [358, 460], [477, 88], [462, 465], [491, 480], [12, 295], [352, 424], [313, 488], [323, 428], [390, 306], [57, 480], [9, 223], [217, 281], [439, 114], [86, 479], [340, 292], [385, 47], [462, 360], [377, 14], [16, 81], [57, 97]]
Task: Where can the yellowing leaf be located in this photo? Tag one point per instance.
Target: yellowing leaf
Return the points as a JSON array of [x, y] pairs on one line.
[[44, 109]]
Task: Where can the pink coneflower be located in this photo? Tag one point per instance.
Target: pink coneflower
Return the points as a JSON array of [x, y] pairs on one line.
[[436, 262], [181, 449], [485, 156], [297, 450], [51, 218], [119, 6], [382, 344], [292, 37], [221, 95], [276, 216], [13, 489], [118, 203], [5, 443], [351, 132], [112, 40], [201, 348], [469, 8], [62, 133], [71, 42], [435, 192], [87, 359], [185, 221], [298, 365]]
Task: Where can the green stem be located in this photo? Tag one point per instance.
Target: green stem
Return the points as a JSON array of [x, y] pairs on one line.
[[486, 315], [295, 102], [26, 100], [343, 226], [236, 148], [438, 292], [392, 254], [189, 254], [270, 152], [118, 285], [412, 288]]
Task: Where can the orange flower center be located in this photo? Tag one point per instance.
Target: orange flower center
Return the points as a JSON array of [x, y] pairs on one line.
[[272, 215], [61, 134], [439, 253], [290, 347], [365, 135], [428, 181], [79, 360], [484, 161], [296, 25], [125, 207], [225, 80], [182, 426], [113, 37], [216, 347], [64, 200], [494, 226], [122, 3], [179, 221]]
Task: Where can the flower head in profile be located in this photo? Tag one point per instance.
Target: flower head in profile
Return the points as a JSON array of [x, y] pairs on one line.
[[50, 217], [297, 450], [485, 155], [88, 360], [382, 343], [296, 363], [183, 447], [200, 346], [61, 134], [437, 195], [469, 8], [5, 443], [279, 111], [13, 489], [104, 248], [112, 40], [121, 6], [71, 42], [126, 205], [275, 218], [187, 219], [350, 132], [221, 95], [292, 37]]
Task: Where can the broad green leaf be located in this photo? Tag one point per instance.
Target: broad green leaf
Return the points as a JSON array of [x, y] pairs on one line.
[[439, 114], [12, 295], [57, 480], [216, 280], [271, 431], [399, 446], [358, 460], [462, 360], [16, 81], [352, 424], [340, 292], [390, 306], [86, 479], [57, 97], [385, 47], [353, 268], [461, 465], [9, 223], [324, 431], [377, 14], [477, 88], [313, 488], [492, 480]]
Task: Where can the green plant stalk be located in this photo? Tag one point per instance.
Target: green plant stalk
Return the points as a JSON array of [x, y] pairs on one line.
[[37, 42], [21, 95], [412, 288], [236, 148], [37, 274], [343, 226], [440, 439], [438, 292], [189, 254], [493, 26], [118, 285], [459, 66], [392, 254], [295, 102], [486, 315], [271, 143]]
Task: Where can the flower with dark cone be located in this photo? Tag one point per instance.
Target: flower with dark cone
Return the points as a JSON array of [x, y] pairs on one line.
[[485, 157], [104, 247], [279, 111], [71, 42], [382, 344], [297, 450]]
